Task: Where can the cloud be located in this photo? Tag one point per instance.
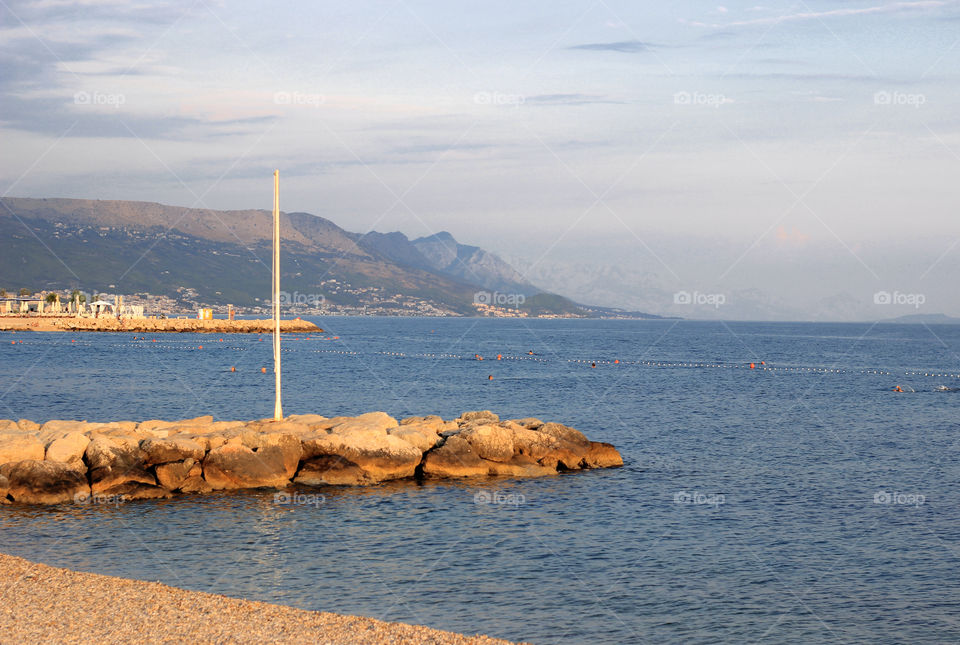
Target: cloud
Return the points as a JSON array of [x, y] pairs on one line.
[[569, 99], [624, 46], [890, 8]]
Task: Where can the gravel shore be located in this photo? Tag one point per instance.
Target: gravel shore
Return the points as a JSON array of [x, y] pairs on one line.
[[41, 604]]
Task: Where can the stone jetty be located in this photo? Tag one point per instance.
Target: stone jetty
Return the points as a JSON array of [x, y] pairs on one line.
[[153, 325], [76, 461]]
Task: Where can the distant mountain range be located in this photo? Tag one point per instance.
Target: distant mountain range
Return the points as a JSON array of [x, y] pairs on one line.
[[134, 247]]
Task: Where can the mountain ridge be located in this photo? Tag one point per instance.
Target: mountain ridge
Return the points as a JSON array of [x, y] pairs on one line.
[[158, 248]]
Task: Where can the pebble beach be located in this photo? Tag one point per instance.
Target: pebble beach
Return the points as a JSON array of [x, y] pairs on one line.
[[42, 604]]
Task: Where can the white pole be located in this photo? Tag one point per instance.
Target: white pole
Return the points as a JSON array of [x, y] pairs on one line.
[[277, 408]]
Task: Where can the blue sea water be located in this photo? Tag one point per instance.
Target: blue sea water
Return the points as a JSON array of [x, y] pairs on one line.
[[802, 501]]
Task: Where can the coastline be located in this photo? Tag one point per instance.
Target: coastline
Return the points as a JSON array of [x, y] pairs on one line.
[[153, 325], [43, 604]]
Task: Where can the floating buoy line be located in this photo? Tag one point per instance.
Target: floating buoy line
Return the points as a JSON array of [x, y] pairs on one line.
[[166, 343]]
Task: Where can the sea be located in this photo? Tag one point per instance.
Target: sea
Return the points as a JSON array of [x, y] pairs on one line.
[[776, 487]]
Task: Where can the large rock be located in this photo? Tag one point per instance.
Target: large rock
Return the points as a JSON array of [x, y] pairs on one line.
[[361, 457], [490, 442], [513, 449], [603, 455], [43, 482], [113, 463], [26, 425], [455, 458], [307, 419], [69, 449], [480, 415], [274, 427], [564, 433], [164, 451], [129, 491], [4, 489], [171, 476], [20, 447], [272, 462], [371, 423], [57, 429], [423, 433]]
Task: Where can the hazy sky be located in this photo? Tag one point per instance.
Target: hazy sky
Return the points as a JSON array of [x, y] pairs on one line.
[[802, 148]]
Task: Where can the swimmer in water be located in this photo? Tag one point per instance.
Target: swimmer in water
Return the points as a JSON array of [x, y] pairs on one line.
[[898, 389]]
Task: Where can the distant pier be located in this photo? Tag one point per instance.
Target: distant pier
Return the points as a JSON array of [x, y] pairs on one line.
[[152, 325]]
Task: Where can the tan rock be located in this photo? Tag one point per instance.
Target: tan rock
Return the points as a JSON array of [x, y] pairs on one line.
[[69, 449], [26, 425], [492, 442], [43, 482], [162, 451], [307, 419], [603, 455], [356, 458], [432, 422], [20, 447], [272, 464], [420, 432], [114, 428], [455, 458], [480, 415], [520, 466], [285, 426], [113, 464], [7, 425], [171, 476], [422, 440], [531, 423], [57, 429], [564, 433], [198, 421], [371, 423], [130, 491], [152, 424], [195, 484]]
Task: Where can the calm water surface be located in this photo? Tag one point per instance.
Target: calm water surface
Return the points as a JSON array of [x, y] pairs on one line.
[[802, 503]]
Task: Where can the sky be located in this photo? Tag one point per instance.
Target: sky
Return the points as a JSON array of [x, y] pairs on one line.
[[784, 157]]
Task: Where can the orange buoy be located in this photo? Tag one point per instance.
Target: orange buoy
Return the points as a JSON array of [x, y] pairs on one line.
[[263, 369], [616, 361], [763, 362], [336, 338], [154, 340], [490, 377], [752, 366], [73, 341], [233, 369], [200, 347], [499, 357], [13, 342]]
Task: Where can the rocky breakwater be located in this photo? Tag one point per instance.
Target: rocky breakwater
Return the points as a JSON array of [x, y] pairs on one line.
[[71, 461]]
